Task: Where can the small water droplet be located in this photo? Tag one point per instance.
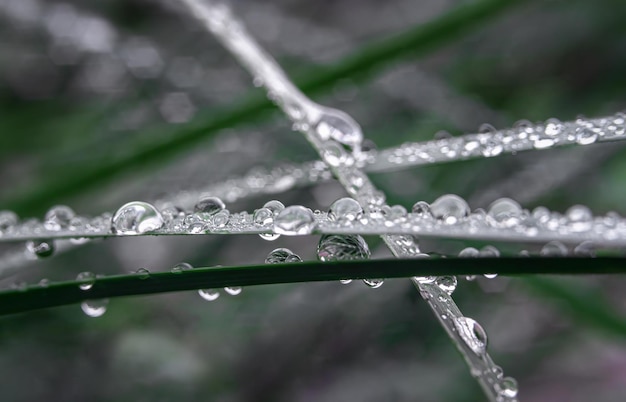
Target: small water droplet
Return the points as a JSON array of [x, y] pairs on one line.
[[446, 283], [585, 249], [580, 218], [209, 294], [58, 218], [449, 208], [505, 211], [346, 208], [421, 208], [489, 252], [294, 220], [180, 267], [136, 217], [554, 249], [44, 283], [40, 248], [8, 219], [507, 387], [142, 273], [345, 281], [94, 308], [282, 255], [221, 218], [497, 370], [374, 283], [469, 252], [334, 154], [342, 248], [233, 290], [553, 127], [86, 279], [207, 207], [472, 334], [585, 136]]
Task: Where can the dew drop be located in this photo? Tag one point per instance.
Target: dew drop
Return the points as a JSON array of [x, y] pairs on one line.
[[58, 218], [340, 127], [505, 211], [282, 255], [469, 252], [181, 267], [8, 219], [275, 206], [334, 154], [449, 208], [136, 217], [472, 334], [94, 308], [585, 249], [554, 249], [294, 220], [342, 248], [507, 387], [580, 218], [553, 127], [44, 283], [207, 207], [394, 212], [86, 279], [490, 276], [40, 248], [446, 283], [233, 290], [265, 217], [489, 252], [346, 208], [585, 136], [421, 208], [142, 273], [209, 294], [374, 283]]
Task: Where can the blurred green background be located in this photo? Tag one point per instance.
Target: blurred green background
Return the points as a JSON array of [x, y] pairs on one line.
[[104, 102]]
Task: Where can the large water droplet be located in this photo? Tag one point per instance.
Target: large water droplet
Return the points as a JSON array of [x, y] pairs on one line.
[[472, 334], [275, 206], [342, 248], [446, 283], [8, 219], [507, 387], [136, 217], [449, 208], [58, 218], [346, 208], [580, 218], [86, 279], [233, 290], [282, 255], [554, 249], [294, 220], [265, 217], [40, 248], [209, 294], [340, 127], [505, 211], [207, 207], [181, 267], [94, 308]]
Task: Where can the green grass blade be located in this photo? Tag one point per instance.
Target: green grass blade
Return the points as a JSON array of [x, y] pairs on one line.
[[57, 294], [365, 62]]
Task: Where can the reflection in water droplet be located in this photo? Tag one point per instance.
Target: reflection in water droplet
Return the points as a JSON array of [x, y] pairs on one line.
[[374, 283], [282, 255], [421, 208], [449, 208], [40, 248], [472, 334], [265, 217], [294, 220], [136, 217], [207, 207], [209, 294], [585, 136], [86, 279], [346, 208], [94, 308], [275, 206], [233, 290], [337, 125], [180, 267], [58, 218], [342, 248]]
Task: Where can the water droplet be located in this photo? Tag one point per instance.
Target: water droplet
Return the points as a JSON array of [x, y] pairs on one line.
[[40, 248], [585, 136], [142, 273], [58, 218], [86, 279], [340, 127], [180, 267], [580, 218], [334, 154], [421, 208], [554, 249], [221, 218], [207, 207], [585, 249], [282, 255], [394, 212], [505, 211], [294, 220], [449, 208], [507, 387], [446, 283], [275, 206], [265, 217], [136, 217], [497, 370], [553, 127], [233, 290], [374, 283], [94, 308], [472, 334], [44, 283], [345, 281], [489, 252], [346, 208], [469, 252], [342, 248], [209, 294], [490, 276]]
